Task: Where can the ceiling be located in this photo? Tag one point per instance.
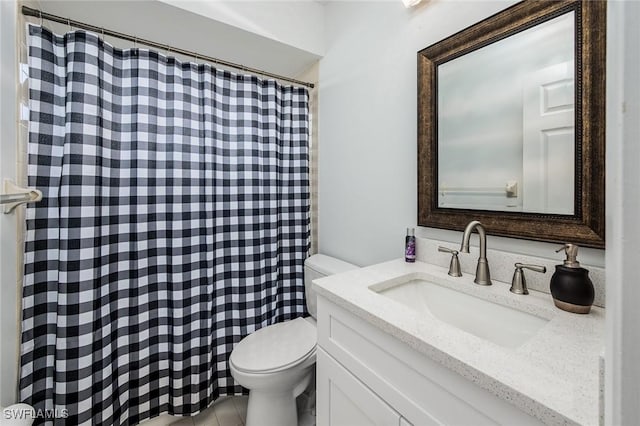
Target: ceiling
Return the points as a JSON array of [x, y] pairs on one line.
[[243, 35]]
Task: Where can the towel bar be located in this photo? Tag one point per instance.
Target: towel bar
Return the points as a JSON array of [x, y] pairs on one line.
[[14, 195]]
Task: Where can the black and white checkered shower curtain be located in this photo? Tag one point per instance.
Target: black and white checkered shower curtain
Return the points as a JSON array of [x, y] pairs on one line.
[[174, 222]]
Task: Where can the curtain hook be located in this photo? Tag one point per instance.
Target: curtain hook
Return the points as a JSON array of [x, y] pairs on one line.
[[135, 42], [69, 24], [41, 19]]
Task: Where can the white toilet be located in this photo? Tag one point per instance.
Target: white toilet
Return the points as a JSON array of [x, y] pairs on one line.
[[276, 362]]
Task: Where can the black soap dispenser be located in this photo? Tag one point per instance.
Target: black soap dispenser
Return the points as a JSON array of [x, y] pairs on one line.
[[571, 287]]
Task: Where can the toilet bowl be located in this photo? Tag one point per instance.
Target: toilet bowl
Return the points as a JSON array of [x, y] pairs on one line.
[[276, 363]]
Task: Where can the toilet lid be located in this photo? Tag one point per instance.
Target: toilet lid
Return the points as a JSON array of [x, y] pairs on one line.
[[275, 347]]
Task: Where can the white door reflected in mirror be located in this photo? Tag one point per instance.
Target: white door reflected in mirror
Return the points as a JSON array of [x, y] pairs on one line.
[[548, 148]]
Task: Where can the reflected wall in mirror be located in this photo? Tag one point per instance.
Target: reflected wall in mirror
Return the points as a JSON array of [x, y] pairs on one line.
[[511, 124], [506, 123]]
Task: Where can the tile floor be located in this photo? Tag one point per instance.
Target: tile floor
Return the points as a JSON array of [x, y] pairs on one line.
[[227, 411], [230, 411]]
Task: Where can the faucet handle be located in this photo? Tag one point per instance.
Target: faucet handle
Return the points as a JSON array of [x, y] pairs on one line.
[[454, 266], [447, 250], [518, 282]]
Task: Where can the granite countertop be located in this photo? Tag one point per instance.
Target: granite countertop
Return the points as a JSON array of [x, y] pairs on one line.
[[554, 376]]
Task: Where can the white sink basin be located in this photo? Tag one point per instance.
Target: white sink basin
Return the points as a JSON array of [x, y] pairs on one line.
[[499, 324]]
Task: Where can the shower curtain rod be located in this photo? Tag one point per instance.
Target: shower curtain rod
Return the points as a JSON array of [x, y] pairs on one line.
[[27, 11]]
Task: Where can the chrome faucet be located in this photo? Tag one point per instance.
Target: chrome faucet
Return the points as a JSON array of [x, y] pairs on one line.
[[482, 270]]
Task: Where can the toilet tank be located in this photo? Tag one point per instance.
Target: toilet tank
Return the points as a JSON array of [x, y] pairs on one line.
[[318, 266]]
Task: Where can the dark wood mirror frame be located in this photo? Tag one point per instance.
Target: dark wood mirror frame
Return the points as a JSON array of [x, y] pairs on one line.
[[586, 226]]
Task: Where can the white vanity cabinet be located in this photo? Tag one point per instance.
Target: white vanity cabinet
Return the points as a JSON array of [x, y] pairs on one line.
[[368, 377]]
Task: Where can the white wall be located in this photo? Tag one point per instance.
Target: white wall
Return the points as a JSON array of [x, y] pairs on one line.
[[295, 23], [368, 127], [622, 382], [9, 305]]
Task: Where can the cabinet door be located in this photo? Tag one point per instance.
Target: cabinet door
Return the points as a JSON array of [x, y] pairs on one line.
[[344, 400]]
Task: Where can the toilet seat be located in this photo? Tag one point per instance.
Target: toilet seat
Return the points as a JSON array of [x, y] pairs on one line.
[[275, 348]]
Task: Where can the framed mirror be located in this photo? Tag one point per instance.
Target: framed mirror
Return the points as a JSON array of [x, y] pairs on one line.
[[511, 124]]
